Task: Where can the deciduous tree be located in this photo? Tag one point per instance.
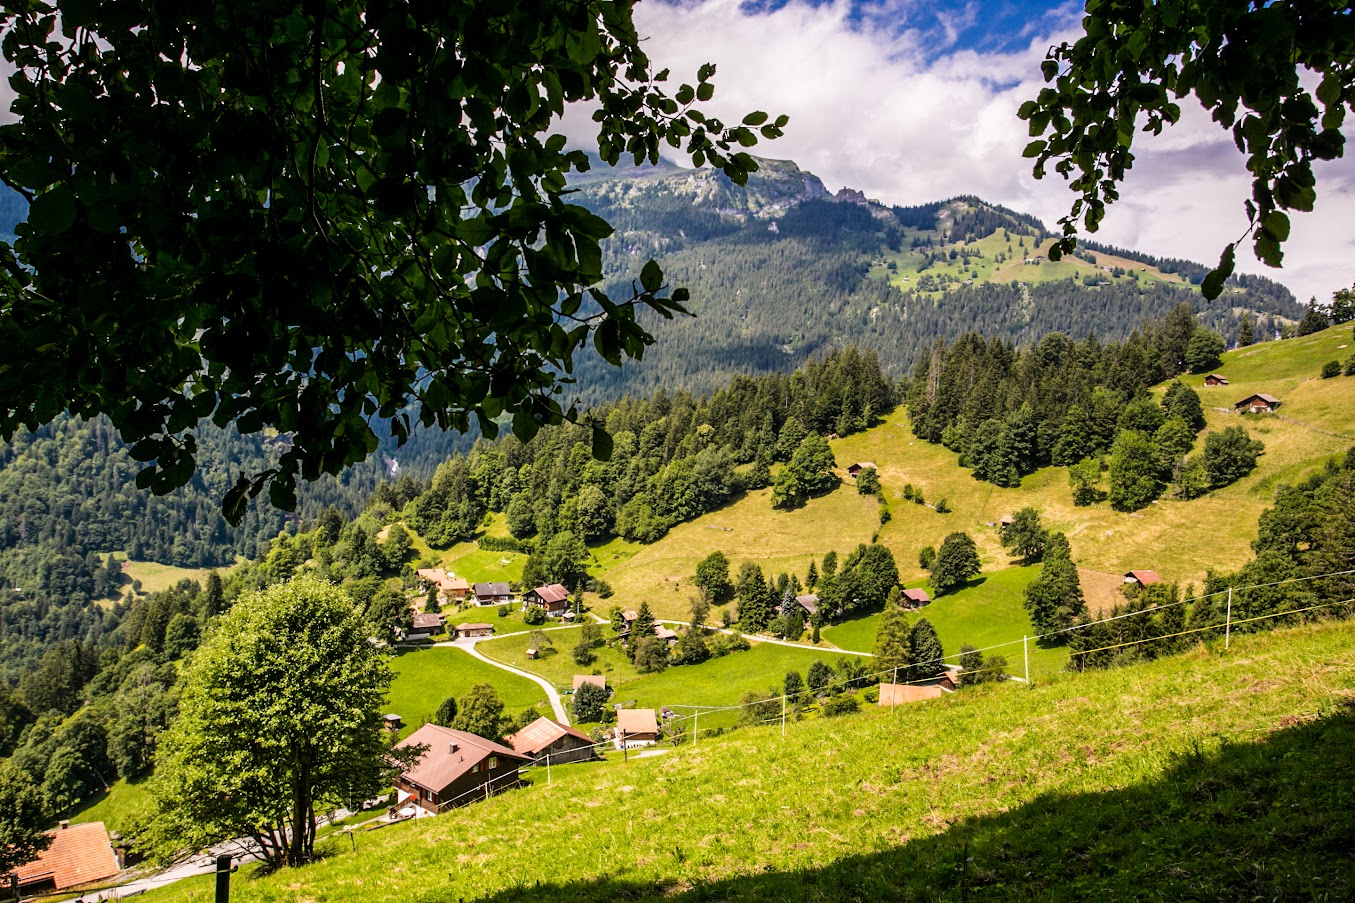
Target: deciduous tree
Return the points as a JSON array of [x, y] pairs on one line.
[[956, 562]]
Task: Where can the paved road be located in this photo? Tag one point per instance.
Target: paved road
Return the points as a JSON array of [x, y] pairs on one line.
[[468, 646], [759, 638]]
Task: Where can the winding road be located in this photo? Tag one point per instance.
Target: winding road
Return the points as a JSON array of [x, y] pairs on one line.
[[467, 645]]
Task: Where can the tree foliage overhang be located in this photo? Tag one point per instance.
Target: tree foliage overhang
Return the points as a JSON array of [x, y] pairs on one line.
[[1244, 62], [305, 216]]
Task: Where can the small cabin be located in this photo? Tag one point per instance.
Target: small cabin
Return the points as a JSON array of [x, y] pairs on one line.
[[1004, 522], [810, 604], [473, 630], [915, 598], [1260, 403], [1142, 578], [854, 469], [1214, 379], [392, 722]]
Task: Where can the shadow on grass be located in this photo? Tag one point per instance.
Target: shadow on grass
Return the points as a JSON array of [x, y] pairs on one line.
[[1271, 820]]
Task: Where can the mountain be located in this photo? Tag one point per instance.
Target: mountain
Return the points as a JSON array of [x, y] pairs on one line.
[[782, 269]]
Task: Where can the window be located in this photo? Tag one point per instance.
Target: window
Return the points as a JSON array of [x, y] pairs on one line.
[[493, 763]]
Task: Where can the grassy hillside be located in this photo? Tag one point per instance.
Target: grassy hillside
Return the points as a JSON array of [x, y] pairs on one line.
[[1207, 776], [1180, 540], [425, 677]]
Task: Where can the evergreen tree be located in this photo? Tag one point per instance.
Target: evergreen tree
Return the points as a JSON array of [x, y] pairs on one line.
[[1182, 401], [446, 712], [651, 654], [927, 653], [712, 578], [1054, 599], [1314, 320], [644, 623], [893, 649], [793, 686], [818, 677], [1204, 350], [812, 578], [956, 562], [1244, 331], [755, 609]]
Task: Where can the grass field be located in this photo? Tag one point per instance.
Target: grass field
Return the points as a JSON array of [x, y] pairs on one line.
[[425, 677], [156, 577], [119, 808], [559, 666], [987, 612], [1208, 776]]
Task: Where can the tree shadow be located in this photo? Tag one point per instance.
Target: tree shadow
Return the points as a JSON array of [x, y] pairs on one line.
[[1271, 820]]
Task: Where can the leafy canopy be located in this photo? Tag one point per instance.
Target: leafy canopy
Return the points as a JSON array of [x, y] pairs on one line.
[[303, 216], [1242, 61]]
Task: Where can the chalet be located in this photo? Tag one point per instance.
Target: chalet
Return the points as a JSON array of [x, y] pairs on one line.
[[392, 722], [425, 625], [856, 468], [914, 598], [1260, 403], [949, 680], [628, 618], [635, 727], [493, 594], [456, 768], [894, 694], [546, 737], [1214, 379], [451, 588], [597, 680], [809, 603], [78, 854], [668, 636], [553, 598], [465, 631], [1142, 578], [1004, 522]]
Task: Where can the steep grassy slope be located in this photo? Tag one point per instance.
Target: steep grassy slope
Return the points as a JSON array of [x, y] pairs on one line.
[[1180, 540], [1203, 777]]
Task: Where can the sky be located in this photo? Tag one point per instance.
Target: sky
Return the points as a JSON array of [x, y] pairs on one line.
[[913, 101]]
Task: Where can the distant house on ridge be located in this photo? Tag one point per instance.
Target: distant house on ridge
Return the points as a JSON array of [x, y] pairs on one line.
[[1215, 379]]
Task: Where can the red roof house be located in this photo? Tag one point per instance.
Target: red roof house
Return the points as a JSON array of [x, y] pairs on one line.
[[915, 598], [547, 737], [456, 768], [1142, 578], [79, 854], [553, 598]]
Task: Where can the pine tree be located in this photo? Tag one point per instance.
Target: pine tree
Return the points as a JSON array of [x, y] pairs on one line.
[[927, 654], [644, 623], [893, 649], [812, 578], [1244, 331]]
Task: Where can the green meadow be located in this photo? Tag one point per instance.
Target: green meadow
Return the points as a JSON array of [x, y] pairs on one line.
[[425, 677]]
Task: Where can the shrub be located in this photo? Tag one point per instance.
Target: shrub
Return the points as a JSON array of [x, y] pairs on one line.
[[505, 544], [503, 611], [534, 615], [942, 507], [1330, 369], [872, 695], [926, 558], [836, 706], [1350, 366]]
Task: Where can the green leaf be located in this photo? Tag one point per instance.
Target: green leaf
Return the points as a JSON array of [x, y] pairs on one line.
[[1276, 225], [1212, 286], [53, 211], [755, 119], [651, 277], [602, 444], [705, 91]]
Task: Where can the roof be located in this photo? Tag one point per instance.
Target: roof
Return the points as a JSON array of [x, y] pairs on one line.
[[809, 603], [1222, 379], [893, 694], [637, 721], [629, 615], [1268, 399], [492, 589], [461, 627], [1006, 519], [552, 593], [79, 854], [433, 574], [597, 680], [541, 733], [862, 465], [440, 766], [456, 583], [664, 633], [424, 620], [1144, 577], [391, 717], [917, 595]]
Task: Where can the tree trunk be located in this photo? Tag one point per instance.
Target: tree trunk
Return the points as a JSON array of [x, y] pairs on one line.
[[299, 845]]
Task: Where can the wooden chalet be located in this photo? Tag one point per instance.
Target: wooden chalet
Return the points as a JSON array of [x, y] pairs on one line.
[[451, 588], [914, 598], [895, 694], [668, 636], [493, 594], [554, 598], [629, 617], [1142, 578], [810, 604], [949, 680], [547, 737], [425, 625], [392, 722], [1260, 403], [1215, 379], [1004, 522], [854, 469], [635, 727], [465, 631], [78, 855], [456, 768], [597, 680]]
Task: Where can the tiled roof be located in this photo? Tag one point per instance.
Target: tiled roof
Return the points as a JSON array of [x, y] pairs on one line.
[[917, 595], [492, 589], [541, 733], [552, 593], [450, 755], [469, 627], [1145, 577], [893, 694], [426, 621], [79, 854], [809, 603], [637, 721], [597, 680], [664, 633]]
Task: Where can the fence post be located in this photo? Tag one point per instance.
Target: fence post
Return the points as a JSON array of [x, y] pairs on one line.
[[9, 886], [223, 878], [783, 716], [1228, 623], [547, 769], [696, 729], [1025, 650]]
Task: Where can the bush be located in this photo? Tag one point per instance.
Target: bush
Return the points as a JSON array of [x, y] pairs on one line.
[[1350, 366], [728, 643], [942, 507], [835, 706], [872, 695], [503, 611], [1330, 369], [505, 544], [926, 558], [589, 702], [534, 615]]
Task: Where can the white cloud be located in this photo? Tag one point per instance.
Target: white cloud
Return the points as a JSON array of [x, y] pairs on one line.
[[877, 108]]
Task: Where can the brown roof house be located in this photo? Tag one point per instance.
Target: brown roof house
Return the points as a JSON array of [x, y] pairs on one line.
[[809, 603], [450, 587], [1142, 578], [1260, 403], [666, 634], [895, 694], [914, 598], [456, 768], [546, 737], [1214, 379], [425, 625], [493, 593], [856, 468], [472, 630], [597, 680], [635, 727], [79, 854], [553, 598]]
